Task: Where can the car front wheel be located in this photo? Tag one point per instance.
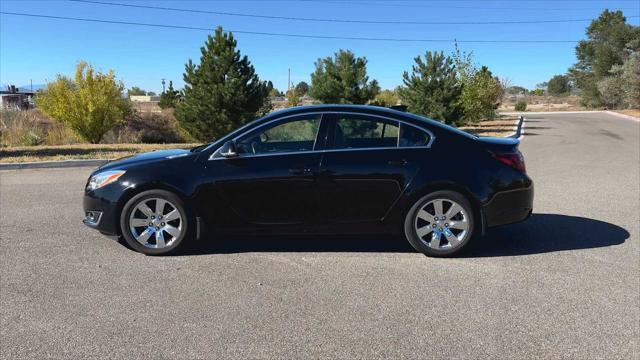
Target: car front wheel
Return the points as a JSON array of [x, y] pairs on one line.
[[155, 222], [440, 223]]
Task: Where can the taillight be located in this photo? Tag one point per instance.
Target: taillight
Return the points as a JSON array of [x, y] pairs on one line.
[[514, 159]]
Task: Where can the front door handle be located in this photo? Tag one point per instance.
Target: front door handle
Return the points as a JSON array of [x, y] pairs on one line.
[[300, 171], [398, 162]]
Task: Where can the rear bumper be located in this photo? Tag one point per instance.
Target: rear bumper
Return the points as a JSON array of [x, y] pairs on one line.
[[509, 207]]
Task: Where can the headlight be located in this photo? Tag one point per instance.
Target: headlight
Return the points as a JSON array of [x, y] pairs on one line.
[[101, 179]]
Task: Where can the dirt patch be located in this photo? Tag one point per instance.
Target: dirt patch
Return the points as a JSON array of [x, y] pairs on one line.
[[502, 127]]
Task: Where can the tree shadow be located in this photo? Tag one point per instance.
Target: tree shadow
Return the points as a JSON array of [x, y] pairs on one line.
[[542, 233]]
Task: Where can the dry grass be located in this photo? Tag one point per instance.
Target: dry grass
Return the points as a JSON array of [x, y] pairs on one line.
[[632, 112], [79, 151], [501, 127], [31, 127]]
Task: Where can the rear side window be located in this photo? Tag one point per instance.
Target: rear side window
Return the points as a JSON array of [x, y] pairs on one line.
[[359, 133], [411, 136]]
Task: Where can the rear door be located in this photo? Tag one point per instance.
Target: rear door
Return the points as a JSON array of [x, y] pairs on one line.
[[367, 165]]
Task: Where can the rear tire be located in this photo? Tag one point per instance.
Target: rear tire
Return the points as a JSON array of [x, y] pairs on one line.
[[156, 222], [440, 223]]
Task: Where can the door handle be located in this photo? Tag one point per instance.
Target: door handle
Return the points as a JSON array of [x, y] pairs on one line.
[[398, 162], [300, 171]]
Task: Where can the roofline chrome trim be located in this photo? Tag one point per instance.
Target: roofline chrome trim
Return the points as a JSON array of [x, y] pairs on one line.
[[432, 137]]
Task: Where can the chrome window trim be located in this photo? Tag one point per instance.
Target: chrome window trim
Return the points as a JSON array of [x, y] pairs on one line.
[[432, 137]]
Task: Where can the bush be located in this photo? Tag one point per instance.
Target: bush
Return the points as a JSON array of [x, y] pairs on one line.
[[148, 128], [91, 104], [521, 106]]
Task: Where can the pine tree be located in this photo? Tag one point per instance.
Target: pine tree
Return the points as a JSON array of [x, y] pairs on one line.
[[342, 80], [432, 89], [169, 98], [223, 92]]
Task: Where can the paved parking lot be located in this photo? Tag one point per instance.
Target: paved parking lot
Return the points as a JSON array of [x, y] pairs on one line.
[[564, 284]]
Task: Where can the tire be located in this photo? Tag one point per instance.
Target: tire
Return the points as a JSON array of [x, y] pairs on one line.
[[154, 236], [453, 230]]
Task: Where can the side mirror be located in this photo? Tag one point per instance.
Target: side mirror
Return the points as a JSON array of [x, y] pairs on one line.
[[228, 150]]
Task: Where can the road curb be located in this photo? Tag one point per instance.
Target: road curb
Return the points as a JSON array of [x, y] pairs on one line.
[[552, 112], [53, 164], [518, 132]]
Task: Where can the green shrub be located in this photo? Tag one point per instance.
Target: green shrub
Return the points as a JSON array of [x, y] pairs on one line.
[[30, 138], [91, 104], [521, 106]]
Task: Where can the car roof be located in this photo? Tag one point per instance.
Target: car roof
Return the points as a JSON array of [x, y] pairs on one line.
[[369, 109]]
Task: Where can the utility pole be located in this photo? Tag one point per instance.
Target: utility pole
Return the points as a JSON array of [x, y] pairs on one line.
[[31, 81], [289, 81], [163, 84]]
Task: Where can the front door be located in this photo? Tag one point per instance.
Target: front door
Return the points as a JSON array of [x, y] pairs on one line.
[[272, 181]]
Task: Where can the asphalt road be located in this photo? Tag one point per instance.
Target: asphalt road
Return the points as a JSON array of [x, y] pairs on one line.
[[566, 283]]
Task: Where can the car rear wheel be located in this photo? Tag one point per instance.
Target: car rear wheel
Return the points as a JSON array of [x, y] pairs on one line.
[[440, 223], [155, 222]]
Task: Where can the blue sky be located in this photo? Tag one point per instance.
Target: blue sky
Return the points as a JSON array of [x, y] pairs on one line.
[[37, 49]]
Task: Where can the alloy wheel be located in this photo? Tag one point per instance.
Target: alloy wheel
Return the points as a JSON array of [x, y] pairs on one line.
[[442, 224], [155, 223]]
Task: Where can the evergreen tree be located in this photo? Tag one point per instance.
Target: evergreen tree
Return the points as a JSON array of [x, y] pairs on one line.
[[221, 93], [608, 38], [559, 85], [342, 80], [302, 88], [432, 89], [169, 98]]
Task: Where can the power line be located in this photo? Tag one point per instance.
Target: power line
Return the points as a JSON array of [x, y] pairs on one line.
[[307, 36], [448, 6], [351, 21]]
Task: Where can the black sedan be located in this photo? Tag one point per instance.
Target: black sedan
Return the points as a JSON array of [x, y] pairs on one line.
[[318, 169]]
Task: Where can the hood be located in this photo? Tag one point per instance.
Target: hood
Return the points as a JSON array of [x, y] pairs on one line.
[[145, 158]]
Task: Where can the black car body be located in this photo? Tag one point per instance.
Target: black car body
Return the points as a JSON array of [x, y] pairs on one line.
[[340, 181]]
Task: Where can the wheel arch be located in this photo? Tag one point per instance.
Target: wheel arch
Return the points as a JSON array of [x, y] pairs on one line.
[[415, 194], [133, 191]]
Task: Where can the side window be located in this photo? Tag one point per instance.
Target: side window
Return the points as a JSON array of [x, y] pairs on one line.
[[411, 136], [295, 135], [359, 132]]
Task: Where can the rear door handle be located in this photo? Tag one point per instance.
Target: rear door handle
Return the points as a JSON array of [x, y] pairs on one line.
[[398, 162], [300, 171]]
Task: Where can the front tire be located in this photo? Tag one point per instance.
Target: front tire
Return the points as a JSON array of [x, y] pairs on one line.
[[440, 223], [155, 222]]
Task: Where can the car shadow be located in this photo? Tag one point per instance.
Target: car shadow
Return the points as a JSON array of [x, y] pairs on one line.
[[226, 244], [541, 233], [544, 233]]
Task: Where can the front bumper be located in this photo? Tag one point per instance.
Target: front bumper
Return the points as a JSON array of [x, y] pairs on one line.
[[97, 202], [509, 207]]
